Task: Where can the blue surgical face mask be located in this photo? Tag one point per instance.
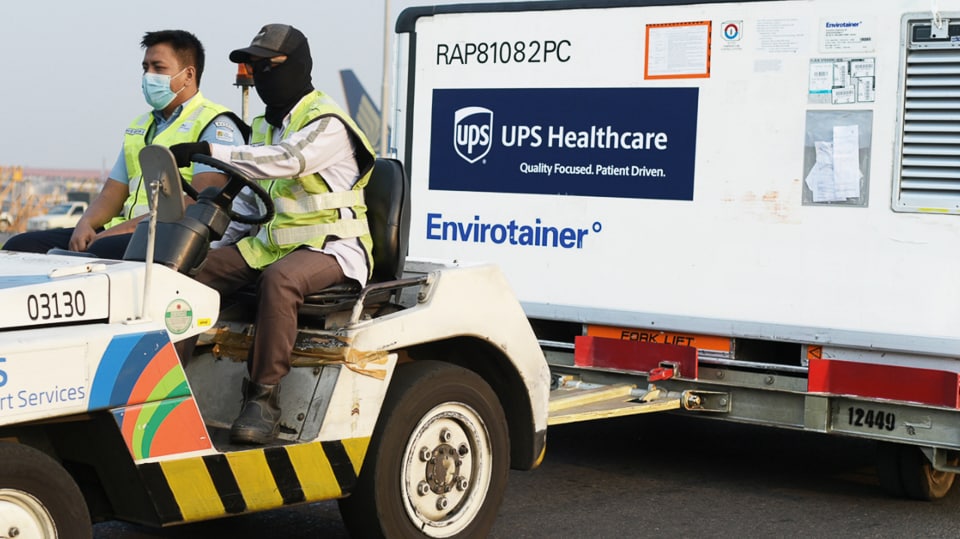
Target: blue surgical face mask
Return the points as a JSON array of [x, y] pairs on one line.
[[156, 89]]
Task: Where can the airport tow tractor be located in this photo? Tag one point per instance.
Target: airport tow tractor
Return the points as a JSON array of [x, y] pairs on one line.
[[408, 400]]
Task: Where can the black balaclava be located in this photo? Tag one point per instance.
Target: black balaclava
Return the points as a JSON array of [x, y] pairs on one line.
[[282, 86]]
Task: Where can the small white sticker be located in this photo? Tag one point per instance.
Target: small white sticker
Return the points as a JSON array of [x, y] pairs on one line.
[[842, 81], [847, 35], [178, 317]]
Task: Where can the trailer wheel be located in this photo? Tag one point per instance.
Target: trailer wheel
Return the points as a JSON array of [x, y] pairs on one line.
[[906, 473], [438, 461], [38, 498]]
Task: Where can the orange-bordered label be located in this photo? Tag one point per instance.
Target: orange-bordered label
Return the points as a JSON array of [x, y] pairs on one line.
[[678, 50], [702, 342]]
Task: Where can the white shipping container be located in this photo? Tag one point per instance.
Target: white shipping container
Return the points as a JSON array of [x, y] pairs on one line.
[[784, 170]]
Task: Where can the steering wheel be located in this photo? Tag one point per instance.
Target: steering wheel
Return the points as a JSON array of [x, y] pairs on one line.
[[236, 181], [188, 188]]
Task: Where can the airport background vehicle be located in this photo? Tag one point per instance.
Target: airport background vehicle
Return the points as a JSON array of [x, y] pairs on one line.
[[743, 210], [63, 215], [410, 409]]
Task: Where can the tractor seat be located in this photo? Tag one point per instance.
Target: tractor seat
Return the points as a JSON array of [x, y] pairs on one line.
[[387, 196]]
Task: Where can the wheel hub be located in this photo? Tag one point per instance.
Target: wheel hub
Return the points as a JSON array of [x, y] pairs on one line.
[[447, 470], [22, 515], [443, 469], [442, 481]]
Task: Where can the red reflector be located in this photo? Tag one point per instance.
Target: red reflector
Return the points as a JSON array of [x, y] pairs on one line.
[[637, 356], [927, 386], [660, 373]]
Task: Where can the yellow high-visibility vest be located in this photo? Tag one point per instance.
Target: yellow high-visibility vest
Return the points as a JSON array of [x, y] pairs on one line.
[[307, 211], [194, 118]]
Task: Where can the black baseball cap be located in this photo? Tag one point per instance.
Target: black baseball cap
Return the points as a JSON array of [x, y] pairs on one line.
[[272, 40]]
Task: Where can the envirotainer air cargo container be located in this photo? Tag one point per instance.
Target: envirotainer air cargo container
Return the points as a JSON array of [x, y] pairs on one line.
[[755, 205]]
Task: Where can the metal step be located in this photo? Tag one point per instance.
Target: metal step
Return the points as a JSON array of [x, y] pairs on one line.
[[573, 402]]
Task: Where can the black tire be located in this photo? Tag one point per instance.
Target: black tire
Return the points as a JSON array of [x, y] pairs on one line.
[[888, 469], [40, 496], [906, 473], [441, 438]]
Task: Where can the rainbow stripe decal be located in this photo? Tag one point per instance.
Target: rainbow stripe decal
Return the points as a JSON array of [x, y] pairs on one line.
[[141, 376]]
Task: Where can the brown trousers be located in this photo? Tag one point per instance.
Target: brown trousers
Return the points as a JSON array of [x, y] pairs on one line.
[[281, 288]]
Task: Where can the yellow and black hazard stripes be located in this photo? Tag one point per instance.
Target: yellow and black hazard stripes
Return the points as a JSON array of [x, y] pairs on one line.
[[199, 488], [320, 482], [225, 484]]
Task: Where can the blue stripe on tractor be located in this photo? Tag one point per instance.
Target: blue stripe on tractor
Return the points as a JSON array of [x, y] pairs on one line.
[[14, 281], [121, 366]]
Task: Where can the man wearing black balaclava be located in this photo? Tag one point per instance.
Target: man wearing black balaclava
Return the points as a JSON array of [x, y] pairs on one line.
[[281, 86], [319, 162]]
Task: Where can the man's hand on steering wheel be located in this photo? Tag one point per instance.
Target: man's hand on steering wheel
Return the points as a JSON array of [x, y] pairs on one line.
[[183, 152], [199, 152]]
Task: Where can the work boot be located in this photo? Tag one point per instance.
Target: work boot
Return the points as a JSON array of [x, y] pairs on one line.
[[259, 420]]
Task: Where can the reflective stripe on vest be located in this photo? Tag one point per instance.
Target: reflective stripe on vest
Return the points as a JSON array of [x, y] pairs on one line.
[[189, 125], [300, 235], [307, 212], [307, 203]]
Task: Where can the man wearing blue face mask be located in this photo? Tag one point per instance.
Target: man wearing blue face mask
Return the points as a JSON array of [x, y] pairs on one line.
[[172, 66]]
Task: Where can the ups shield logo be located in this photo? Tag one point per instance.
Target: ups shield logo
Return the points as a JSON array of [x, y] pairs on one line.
[[472, 130]]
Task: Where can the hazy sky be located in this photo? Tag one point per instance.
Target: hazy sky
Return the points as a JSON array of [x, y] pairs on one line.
[[70, 78]]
